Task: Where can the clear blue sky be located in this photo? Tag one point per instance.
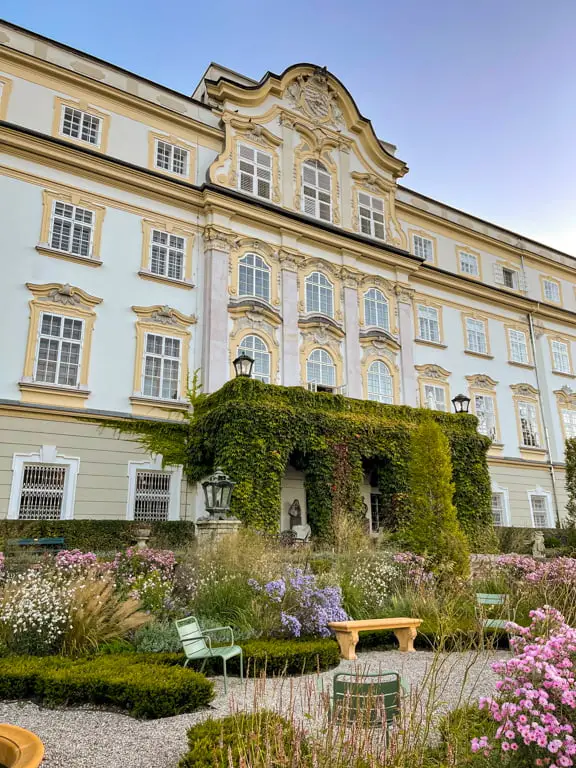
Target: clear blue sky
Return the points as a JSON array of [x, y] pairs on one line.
[[478, 95]]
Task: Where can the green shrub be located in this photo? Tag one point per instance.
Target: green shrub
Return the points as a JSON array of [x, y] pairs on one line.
[[126, 681], [457, 729], [249, 739], [158, 637]]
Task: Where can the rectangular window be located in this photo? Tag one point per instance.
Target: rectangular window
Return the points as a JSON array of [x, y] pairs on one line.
[[469, 264], [71, 229], [162, 367], [316, 190], [152, 495], [371, 213], [59, 350], [518, 346], [498, 509], [551, 291], [167, 254], [485, 410], [435, 397], [424, 248], [560, 357], [428, 323], [539, 505], [81, 125], [476, 336], [509, 278], [42, 494], [529, 424], [171, 158], [255, 172], [569, 422]]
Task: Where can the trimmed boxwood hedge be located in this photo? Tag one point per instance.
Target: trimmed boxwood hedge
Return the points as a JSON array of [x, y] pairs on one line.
[[127, 681], [211, 744], [274, 657], [99, 535]]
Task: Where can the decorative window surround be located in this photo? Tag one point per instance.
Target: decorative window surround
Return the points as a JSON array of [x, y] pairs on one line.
[[551, 289], [178, 154], [253, 277], [476, 336], [528, 418], [5, 90], [319, 295], [566, 402], [321, 371], [380, 382], [509, 276], [316, 190], [424, 245], [61, 122], [431, 379], [171, 229], [372, 216], [504, 507], [82, 216], [540, 503], [249, 246], [519, 351], [256, 348], [428, 322], [254, 171], [560, 356], [154, 465], [482, 387], [46, 455], [255, 325], [468, 262], [376, 309]]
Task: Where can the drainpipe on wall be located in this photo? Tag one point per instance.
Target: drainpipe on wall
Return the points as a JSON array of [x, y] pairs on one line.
[[540, 399]]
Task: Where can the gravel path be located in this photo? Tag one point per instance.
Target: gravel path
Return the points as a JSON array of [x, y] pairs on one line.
[[85, 738]]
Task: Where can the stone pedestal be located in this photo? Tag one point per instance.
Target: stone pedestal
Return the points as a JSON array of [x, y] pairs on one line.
[[210, 531]]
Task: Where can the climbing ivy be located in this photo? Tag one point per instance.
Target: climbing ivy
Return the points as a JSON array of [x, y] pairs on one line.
[[254, 430]]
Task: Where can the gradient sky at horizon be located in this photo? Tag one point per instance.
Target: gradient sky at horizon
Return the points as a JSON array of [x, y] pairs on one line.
[[478, 95]]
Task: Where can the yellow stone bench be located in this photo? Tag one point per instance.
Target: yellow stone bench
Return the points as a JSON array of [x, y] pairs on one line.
[[404, 628], [19, 748]]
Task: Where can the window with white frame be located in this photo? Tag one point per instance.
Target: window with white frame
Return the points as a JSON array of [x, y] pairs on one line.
[[253, 277], [569, 423], [428, 323], [423, 247], [476, 340], [161, 371], [59, 350], [518, 346], [167, 254], [380, 384], [509, 278], [152, 495], [316, 190], [254, 172], [153, 491], [528, 416], [43, 485], [376, 311], [254, 347], [371, 213], [171, 158], [319, 294], [71, 229], [498, 508], [560, 357], [539, 506], [551, 291], [469, 264], [320, 370], [485, 410], [81, 125], [434, 397]]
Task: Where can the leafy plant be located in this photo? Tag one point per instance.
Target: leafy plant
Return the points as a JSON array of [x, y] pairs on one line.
[[157, 637]]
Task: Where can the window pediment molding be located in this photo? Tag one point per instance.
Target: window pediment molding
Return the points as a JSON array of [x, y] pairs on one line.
[[375, 185], [481, 380], [165, 316], [566, 397], [329, 326], [379, 339], [256, 310], [432, 371], [64, 294], [525, 390], [243, 245]]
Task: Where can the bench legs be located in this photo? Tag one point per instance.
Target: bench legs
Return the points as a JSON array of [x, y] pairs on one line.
[[347, 642], [405, 638]]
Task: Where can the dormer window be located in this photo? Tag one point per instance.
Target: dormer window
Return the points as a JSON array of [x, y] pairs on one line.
[[316, 190], [255, 172], [253, 277], [371, 213], [319, 294]]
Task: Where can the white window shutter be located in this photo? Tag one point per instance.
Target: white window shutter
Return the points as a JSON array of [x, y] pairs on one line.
[[498, 274]]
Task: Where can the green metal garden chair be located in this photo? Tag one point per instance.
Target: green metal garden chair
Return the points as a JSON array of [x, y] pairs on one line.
[[197, 644], [488, 601], [372, 699]]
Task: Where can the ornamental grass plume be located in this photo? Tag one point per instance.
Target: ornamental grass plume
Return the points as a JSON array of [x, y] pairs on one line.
[[98, 614]]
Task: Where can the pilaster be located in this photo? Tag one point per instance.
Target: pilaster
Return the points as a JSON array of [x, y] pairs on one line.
[[290, 334], [217, 245], [352, 341], [404, 297]]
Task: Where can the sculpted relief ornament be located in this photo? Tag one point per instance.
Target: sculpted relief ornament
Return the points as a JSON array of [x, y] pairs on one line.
[[313, 95]]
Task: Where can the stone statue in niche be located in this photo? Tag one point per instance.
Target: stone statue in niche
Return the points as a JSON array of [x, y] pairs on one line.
[[295, 513]]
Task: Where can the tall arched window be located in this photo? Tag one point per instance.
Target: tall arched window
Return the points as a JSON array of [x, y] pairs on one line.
[[320, 369], [319, 294], [254, 347], [376, 312], [316, 190], [380, 385], [253, 277]]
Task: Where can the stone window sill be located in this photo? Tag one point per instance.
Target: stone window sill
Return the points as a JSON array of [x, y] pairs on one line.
[[563, 373], [530, 366], [46, 250], [187, 284], [485, 355], [532, 449], [179, 405], [426, 342]]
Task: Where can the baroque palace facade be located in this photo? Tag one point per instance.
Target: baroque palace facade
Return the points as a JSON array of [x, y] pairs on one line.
[[147, 234]]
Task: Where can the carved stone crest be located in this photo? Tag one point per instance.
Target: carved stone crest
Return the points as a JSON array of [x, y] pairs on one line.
[[65, 295], [313, 95]]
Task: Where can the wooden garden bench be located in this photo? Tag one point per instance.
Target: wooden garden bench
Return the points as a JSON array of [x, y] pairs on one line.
[[347, 632]]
